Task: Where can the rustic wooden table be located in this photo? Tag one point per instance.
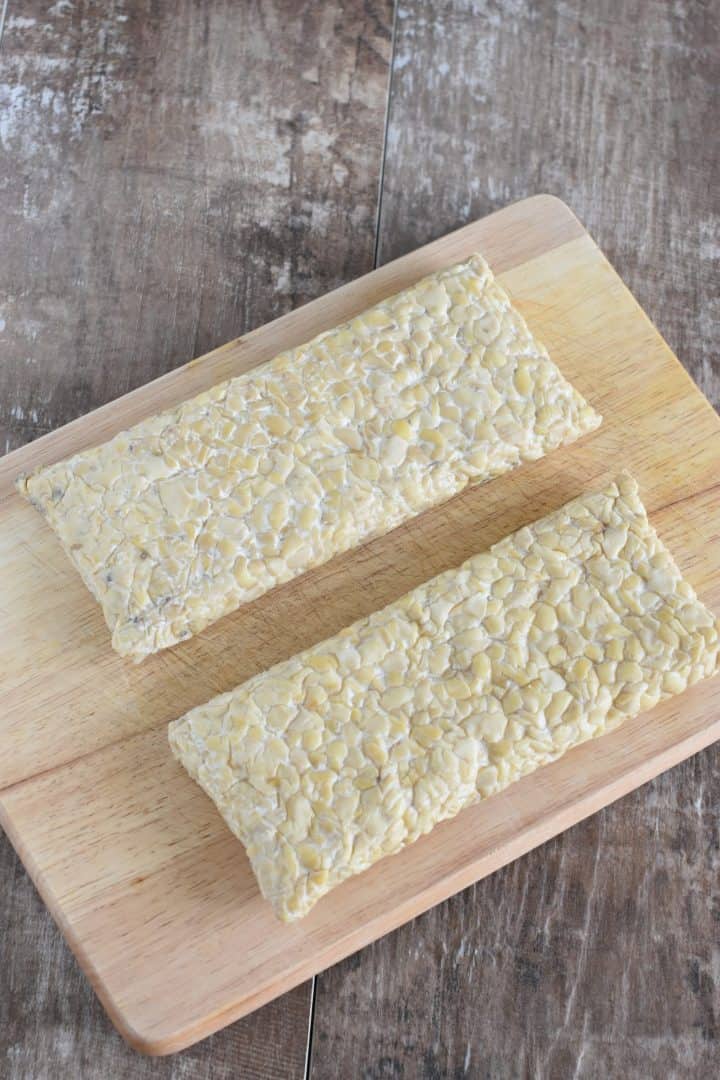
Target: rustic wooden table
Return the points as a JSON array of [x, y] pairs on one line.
[[176, 173]]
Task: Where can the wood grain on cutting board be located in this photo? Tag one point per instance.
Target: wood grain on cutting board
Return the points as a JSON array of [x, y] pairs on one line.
[[155, 896]]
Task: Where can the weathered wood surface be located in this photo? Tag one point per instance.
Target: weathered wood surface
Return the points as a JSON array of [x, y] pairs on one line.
[[172, 174], [611, 104], [597, 955]]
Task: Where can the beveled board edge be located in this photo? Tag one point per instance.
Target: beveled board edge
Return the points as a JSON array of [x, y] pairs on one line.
[[567, 813]]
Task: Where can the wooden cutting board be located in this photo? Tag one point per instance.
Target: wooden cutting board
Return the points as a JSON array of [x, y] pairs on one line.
[[153, 893]]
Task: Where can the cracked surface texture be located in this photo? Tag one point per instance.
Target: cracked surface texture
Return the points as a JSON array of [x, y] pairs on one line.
[[193, 512], [355, 747]]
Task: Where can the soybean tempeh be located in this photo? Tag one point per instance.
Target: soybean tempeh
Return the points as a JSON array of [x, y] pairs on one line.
[[354, 748], [194, 512]]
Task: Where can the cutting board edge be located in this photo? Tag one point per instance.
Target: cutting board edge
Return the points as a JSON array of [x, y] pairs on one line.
[[54, 907], [157, 1042]]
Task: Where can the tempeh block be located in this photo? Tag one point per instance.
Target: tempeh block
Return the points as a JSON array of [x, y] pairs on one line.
[[355, 747], [198, 510]]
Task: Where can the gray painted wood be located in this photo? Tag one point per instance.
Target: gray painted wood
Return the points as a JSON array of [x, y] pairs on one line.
[[594, 956], [612, 105], [175, 174], [168, 183]]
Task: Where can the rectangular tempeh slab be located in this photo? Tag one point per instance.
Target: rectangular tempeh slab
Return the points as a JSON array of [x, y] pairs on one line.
[[192, 513], [354, 748]]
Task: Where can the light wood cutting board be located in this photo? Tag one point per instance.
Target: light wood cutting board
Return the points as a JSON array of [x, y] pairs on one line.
[[153, 893]]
